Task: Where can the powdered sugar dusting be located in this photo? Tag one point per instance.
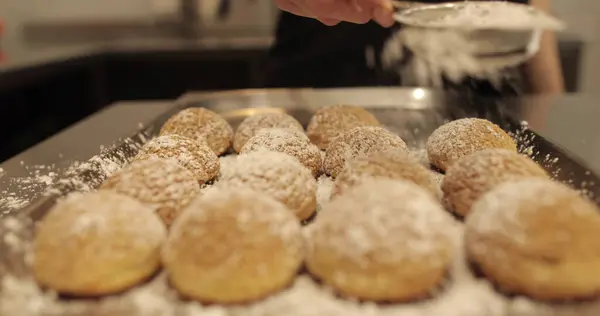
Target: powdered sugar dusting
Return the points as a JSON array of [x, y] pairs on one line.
[[324, 186], [287, 141], [390, 164], [195, 156], [79, 176], [201, 125], [162, 185], [258, 209], [100, 213], [332, 121], [276, 174], [472, 176], [461, 137], [254, 124], [356, 142], [498, 211], [363, 226]]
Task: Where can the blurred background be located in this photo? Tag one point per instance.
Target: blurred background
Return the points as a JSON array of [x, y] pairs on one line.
[[62, 60]]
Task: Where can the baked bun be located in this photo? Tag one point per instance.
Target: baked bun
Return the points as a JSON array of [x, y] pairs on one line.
[[195, 156], [233, 246], [255, 123], [474, 175], [460, 138], [201, 125], [368, 245], [162, 185], [331, 121], [538, 238], [287, 141], [390, 164], [96, 244], [356, 142], [277, 175]]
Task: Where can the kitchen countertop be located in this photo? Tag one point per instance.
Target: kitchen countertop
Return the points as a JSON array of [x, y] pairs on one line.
[[570, 121]]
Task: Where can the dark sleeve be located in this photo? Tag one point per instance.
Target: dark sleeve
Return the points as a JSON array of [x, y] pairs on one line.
[[308, 53]]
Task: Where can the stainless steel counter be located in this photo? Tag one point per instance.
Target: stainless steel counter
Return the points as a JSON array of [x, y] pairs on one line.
[[570, 121]]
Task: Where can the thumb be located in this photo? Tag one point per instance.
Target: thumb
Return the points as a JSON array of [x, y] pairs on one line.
[[383, 12]]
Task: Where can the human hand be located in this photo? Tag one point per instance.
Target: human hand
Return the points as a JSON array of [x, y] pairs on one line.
[[331, 12]]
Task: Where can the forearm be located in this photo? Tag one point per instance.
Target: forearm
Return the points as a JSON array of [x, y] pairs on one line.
[[543, 71]]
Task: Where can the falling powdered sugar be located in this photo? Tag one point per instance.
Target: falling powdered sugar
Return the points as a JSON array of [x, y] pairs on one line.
[[460, 43]]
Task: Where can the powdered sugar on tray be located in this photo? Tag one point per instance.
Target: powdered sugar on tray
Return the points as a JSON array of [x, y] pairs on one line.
[[463, 295], [324, 186]]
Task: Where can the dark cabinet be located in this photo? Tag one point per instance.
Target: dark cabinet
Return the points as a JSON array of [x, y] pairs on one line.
[[37, 103]]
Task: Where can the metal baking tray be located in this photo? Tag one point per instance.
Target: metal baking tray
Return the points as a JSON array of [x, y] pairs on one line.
[[412, 113]]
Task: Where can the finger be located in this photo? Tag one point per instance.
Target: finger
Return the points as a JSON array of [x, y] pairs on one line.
[[305, 7], [343, 10], [383, 16], [291, 7]]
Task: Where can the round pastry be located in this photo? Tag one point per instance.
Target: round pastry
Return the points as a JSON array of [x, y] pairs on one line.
[[276, 174], [201, 124], [162, 185], [252, 124], [365, 246], [196, 157], [390, 164], [359, 141], [454, 140], [287, 142], [331, 121], [474, 175], [233, 246], [538, 238], [96, 244]]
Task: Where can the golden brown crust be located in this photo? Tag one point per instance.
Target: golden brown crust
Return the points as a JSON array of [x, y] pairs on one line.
[[365, 247], [356, 142], [253, 124], [233, 247], [201, 125], [331, 121], [459, 138], [538, 238], [391, 164], [161, 185], [96, 244], [474, 175]]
